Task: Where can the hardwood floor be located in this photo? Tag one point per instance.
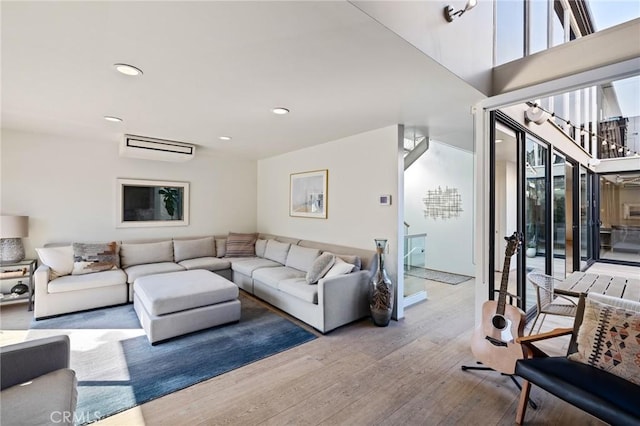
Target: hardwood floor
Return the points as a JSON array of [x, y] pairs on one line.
[[405, 374]]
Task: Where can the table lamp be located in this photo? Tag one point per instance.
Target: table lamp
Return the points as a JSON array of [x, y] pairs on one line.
[[12, 229]]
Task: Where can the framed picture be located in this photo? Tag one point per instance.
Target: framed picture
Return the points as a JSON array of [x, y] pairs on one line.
[[631, 211], [148, 203], [308, 194]]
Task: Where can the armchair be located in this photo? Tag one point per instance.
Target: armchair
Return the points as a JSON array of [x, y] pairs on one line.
[[597, 391], [36, 385], [548, 301]]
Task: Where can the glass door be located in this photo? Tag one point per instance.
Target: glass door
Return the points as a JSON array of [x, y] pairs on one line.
[[587, 220], [570, 240], [536, 189], [620, 217], [561, 188], [506, 197]]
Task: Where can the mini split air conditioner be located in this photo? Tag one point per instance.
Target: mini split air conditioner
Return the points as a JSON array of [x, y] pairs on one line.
[[155, 149]]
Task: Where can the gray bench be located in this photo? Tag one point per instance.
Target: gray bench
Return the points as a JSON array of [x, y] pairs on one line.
[[177, 303]]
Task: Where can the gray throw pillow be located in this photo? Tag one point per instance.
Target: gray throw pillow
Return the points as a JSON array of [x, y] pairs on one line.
[[320, 266]]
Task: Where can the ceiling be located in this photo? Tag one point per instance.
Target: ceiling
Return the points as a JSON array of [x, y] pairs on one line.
[[218, 68]]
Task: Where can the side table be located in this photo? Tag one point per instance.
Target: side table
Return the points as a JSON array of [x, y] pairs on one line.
[[19, 271]]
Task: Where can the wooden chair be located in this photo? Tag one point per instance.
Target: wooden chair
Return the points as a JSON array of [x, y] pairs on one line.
[[547, 300], [598, 392]]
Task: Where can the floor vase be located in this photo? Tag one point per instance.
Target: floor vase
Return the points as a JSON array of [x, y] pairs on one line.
[[381, 290]]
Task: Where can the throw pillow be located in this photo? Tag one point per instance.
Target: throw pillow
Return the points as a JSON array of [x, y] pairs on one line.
[[609, 337], [144, 253], [320, 266], [340, 267], [277, 251], [354, 260], [58, 259], [301, 258], [261, 246], [221, 247], [241, 245], [90, 258], [192, 249]]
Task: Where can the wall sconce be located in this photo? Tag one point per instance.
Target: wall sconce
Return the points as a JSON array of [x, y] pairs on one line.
[[449, 13], [536, 115]]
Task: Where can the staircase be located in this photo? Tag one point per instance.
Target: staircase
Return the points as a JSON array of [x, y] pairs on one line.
[[414, 148]]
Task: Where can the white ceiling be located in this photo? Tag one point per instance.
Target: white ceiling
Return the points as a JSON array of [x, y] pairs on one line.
[[217, 68]]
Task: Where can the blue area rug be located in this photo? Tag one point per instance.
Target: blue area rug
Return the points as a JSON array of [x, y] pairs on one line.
[[118, 369]]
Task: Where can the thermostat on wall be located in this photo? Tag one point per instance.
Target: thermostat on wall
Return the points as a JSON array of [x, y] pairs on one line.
[[385, 200]]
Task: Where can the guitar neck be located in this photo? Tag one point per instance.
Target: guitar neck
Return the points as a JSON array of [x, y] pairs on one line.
[[502, 297]]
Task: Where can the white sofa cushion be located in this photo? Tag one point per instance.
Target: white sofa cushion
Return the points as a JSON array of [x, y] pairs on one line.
[[140, 254], [137, 271], [273, 276], [247, 266], [301, 257], [41, 401], [208, 263], [221, 247], [277, 251], [87, 281], [58, 259], [192, 249], [261, 246], [299, 288]]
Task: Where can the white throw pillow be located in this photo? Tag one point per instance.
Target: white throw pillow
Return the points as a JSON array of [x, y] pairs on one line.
[[339, 268], [58, 259]]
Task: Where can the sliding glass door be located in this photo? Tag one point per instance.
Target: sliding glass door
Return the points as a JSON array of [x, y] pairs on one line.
[[536, 213], [562, 250], [545, 196], [620, 218]]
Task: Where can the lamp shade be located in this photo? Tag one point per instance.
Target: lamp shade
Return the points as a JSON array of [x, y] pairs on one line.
[[14, 226]]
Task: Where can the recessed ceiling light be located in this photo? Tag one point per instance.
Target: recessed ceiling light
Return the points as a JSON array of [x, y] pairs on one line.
[[225, 138], [128, 69], [280, 111], [112, 118]]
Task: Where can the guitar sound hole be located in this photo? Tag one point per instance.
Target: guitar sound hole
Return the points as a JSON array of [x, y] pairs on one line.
[[499, 322]]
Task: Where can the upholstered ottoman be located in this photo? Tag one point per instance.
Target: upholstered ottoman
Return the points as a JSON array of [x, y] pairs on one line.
[[177, 303]]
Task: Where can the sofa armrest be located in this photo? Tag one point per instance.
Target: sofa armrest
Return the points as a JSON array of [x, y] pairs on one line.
[[25, 361], [343, 298], [41, 279]]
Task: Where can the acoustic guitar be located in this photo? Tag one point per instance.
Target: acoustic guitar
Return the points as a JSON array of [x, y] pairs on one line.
[[493, 341]]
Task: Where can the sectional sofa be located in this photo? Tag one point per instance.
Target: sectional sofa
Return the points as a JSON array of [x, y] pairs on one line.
[[276, 271]]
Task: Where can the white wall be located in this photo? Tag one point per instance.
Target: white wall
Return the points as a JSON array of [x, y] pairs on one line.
[[449, 245], [464, 46], [361, 168], [67, 187]]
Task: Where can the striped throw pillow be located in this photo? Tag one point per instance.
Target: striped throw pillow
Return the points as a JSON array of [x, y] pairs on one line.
[[241, 245]]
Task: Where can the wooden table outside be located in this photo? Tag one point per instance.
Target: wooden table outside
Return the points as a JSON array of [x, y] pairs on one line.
[[581, 283]]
